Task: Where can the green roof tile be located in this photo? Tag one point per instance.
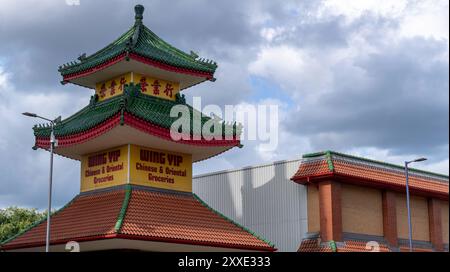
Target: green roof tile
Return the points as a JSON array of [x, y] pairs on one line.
[[149, 108], [142, 41]]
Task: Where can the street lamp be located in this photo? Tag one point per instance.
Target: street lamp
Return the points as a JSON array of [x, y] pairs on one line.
[[53, 144], [407, 200]]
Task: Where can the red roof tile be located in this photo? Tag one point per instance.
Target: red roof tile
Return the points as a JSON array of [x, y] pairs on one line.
[[314, 245], [149, 215], [415, 249], [163, 216], [86, 216], [389, 178], [369, 173], [312, 169]]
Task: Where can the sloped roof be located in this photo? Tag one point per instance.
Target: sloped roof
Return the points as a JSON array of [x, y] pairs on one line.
[[314, 245], [140, 214], [317, 166], [141, 41], [148, 108], [93, 215], [357, 245]]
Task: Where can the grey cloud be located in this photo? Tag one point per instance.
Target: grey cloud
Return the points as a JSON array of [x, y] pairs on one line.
[[403, 106], [334, 31], [63, 32], [25, 172]]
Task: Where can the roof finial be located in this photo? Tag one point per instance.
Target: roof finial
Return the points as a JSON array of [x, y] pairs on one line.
[[139, 11]]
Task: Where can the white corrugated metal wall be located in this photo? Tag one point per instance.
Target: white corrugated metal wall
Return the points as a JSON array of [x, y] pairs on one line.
[[261, 198]]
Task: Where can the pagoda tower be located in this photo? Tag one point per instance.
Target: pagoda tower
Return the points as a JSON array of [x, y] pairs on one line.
[[136, 179]]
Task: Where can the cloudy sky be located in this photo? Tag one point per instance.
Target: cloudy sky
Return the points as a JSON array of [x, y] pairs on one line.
[[369, 78]]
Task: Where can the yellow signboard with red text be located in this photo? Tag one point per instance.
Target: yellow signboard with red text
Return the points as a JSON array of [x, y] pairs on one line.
[[104, 169], [161, 169], [157, 87], [149, 86], [131, 164]]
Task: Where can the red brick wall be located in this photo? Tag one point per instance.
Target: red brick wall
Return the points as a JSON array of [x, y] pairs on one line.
[[330, 211], [444, 218], [429, 216], [434, 213], [390, 218]]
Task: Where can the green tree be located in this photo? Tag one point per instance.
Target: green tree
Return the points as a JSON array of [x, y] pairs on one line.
[[13, 220]]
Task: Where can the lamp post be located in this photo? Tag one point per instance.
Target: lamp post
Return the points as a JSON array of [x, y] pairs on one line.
[[53, 144], [407, 200]]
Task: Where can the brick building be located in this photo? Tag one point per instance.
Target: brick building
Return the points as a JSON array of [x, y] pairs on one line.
[[352, 201], [337, 202]]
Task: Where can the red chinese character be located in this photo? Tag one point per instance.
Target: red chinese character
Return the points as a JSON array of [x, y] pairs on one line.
[[168, 90], [112, 88], [156, 86], [122, 83], [144, 84], [103, 90]]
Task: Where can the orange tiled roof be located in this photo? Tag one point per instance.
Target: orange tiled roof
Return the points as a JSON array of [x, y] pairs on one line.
[[314, 245], [141, 214], [406, 249], [85, 216], [368, 172], [354, 245], [163, 216]]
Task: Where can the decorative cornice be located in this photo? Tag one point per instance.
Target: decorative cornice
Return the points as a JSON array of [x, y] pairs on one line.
[[132, 121]]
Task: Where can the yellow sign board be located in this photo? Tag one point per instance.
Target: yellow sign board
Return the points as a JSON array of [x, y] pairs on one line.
[[149, 86], [104, 169], [157, 87], [112, 87], [131, 164], [160, 169]]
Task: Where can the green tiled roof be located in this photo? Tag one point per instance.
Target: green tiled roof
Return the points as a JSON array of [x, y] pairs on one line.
[[142, 41], [150, 108]]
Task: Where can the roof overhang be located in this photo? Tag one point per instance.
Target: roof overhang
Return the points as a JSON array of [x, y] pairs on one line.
[[371, 183], [134, 63], [138, 218], [111, 134], [117, 243]]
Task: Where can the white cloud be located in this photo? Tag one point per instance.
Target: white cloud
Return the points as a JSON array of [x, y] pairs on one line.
[[355, 8], [28, 10], [296, 71], [310, 73], [385, 155], [426, 18], [3, 79], [271, 33], [438, 167]]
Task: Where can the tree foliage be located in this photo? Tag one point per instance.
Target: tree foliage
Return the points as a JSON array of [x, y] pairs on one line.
[[13, 220]]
